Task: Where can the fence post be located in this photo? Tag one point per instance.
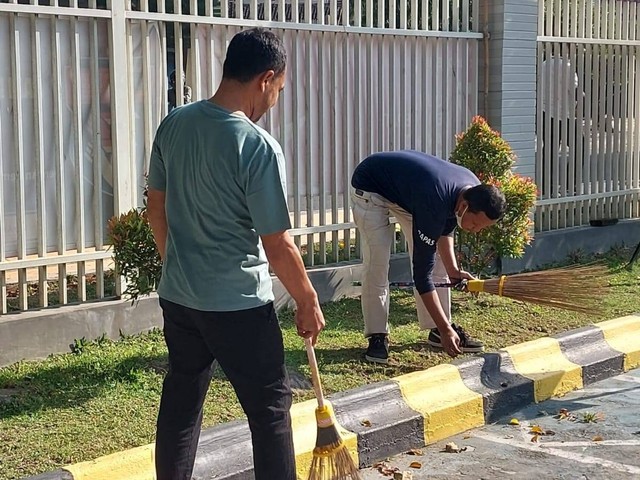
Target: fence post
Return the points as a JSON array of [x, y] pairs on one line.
[[120, 110], [120, 115], [510, 68]]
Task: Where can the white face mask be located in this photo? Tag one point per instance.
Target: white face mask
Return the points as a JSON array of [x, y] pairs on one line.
[[459, 217]]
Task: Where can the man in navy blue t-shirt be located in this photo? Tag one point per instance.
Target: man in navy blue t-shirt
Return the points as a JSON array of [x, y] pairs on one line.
[[428, 196]]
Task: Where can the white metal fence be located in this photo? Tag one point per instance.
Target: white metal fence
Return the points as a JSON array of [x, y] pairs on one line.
[[84, 85], [588, 140]]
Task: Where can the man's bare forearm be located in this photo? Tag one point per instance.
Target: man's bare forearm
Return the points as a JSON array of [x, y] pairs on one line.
[[286, 263], [448, 255], [157, 219]]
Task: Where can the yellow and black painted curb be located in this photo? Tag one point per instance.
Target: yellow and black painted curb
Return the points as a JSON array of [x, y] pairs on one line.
[[386, 418]]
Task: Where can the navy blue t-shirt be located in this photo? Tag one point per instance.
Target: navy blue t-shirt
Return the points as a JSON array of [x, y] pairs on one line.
[[425, 186]]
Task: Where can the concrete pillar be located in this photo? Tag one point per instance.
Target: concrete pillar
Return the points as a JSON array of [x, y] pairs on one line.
[[510, 106]]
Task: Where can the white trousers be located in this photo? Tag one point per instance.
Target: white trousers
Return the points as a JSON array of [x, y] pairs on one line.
[[371, 213]]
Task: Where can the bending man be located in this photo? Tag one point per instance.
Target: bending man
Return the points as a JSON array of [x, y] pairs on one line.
[[429, 197]]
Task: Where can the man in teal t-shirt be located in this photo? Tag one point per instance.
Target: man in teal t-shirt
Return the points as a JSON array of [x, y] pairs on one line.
[[217, 207]]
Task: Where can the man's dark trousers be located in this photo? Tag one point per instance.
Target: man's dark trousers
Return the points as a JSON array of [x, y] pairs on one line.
[[248, 346]]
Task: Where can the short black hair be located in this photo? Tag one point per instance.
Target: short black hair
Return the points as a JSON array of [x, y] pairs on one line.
[[486, 198], [253, 52]]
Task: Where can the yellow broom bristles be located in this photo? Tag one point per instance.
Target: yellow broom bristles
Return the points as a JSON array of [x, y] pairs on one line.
[[333, 463], [579, 289], [331, 458]]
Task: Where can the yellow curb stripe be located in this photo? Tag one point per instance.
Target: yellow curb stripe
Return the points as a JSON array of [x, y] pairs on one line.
[[623, 334], [305, 428], [543, 362], [447, 405], [134, 464]]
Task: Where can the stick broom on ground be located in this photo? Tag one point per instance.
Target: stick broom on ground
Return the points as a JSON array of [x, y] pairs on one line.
[[331, 458]]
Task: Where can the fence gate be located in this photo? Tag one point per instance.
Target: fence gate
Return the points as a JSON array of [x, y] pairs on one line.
[[588, 112]]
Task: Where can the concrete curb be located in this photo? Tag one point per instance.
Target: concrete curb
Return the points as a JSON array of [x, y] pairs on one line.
[[390, 417]]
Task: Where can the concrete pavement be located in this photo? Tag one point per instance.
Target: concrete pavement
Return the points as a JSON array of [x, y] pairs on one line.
[[504, 451]]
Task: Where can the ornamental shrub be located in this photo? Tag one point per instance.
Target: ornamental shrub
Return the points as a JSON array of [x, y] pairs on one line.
[[483, 151], [135, 254]]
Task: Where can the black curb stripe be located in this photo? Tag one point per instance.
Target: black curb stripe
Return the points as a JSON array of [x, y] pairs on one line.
[[394, 426], [55, 475], [588, 348], [225, 453], [494, 376]]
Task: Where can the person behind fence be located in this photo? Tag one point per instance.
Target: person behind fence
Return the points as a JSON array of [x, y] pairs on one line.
[[429, 197], [172, 93], [217, 205]]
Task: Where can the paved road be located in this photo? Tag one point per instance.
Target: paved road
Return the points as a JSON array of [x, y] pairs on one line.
[[569, 452]]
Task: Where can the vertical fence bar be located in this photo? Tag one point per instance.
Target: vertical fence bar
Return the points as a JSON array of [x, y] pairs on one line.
[[439, 118], [455, 15], [592, 132], [347, 146], [450, 92], [636, 133], [97, 153], [324, 151], [337, 154], [18, 139], [427, 98], [3, 292], [59, 156], [309, 127], [297, 221], [572, 158], [466, 24], [3, 228], [79, 157], [197, 93], [416, 131], [41, 211], [581, 132], [616, 182]]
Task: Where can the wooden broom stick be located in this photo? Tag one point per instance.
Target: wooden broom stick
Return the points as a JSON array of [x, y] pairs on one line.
[[331, 458]]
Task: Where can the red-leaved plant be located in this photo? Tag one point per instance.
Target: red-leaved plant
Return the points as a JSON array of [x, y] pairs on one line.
[[483, 151]]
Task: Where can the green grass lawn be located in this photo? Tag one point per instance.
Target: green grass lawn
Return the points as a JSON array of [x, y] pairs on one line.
[[104, 398]]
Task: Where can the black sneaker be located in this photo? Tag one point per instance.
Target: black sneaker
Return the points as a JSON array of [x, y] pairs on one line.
[[378, 351], [468, 344]]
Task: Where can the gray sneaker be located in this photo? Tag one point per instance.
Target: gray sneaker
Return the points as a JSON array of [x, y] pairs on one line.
[[468, 344], [378, 351]]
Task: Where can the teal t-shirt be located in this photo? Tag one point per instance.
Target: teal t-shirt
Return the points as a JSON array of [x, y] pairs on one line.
[[225, 185]]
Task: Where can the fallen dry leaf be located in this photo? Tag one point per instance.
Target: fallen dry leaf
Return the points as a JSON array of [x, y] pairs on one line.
[[597, 438], [537, 430], [467, 436], [514, 421], [564, 414], [365, 423], [453, 448], [535, 438], [415, 465], [385, 469], [415, 451]]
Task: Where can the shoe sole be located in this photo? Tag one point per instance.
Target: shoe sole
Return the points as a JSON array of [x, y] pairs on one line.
[[464, 349], [383, 361]]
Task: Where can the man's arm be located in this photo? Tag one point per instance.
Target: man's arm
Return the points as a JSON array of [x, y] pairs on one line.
[[448, 257], [448, 336], [286, 262], [157, 218]]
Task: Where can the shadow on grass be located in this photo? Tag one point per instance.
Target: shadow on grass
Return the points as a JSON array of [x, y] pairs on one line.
[[68, 386]]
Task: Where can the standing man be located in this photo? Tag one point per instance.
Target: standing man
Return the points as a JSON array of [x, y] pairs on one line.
[[429, 197], [217, 207]]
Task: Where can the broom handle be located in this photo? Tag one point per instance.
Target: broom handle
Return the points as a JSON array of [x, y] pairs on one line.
[[315, 375]]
